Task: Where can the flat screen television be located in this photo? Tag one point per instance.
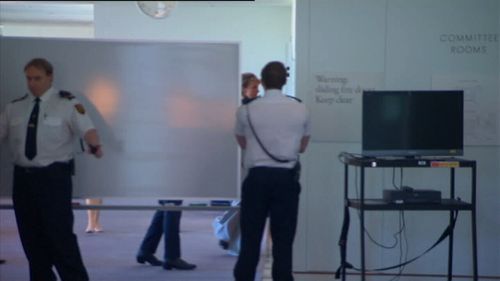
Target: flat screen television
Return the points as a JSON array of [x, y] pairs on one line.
[[412, 123]]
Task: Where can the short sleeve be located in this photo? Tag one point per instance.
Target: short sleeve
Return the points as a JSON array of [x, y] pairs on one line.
[[80, 120], [239, 127], [307, 124]]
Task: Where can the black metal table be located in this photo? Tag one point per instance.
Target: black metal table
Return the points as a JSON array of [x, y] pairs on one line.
[[449, 204]]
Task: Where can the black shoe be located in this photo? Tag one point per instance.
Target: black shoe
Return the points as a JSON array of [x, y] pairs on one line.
[[151, 259], [178, 264], [224, 244]]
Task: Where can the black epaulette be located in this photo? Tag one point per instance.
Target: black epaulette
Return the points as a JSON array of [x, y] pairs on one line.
[[66, 95], [295, 98], [20, 99]]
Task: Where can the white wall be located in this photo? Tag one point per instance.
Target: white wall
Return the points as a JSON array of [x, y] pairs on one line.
[[401, 40], [263, 31]]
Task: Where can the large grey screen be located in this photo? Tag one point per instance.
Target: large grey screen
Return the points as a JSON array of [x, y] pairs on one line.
[[164, 110]]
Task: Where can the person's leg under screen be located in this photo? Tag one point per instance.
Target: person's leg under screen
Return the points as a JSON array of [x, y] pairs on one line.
[[171, 229], [153, 235]]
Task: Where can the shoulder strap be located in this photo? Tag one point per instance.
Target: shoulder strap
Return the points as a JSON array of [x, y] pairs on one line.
[[295, 98]]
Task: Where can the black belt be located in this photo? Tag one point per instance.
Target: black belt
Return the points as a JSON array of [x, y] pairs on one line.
[[267, 168], [34, 170]]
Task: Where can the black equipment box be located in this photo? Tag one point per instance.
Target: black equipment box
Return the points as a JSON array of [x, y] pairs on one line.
[[412, 196]]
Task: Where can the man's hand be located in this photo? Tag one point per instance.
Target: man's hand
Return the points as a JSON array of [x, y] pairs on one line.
[[92, 140], [96, 150]]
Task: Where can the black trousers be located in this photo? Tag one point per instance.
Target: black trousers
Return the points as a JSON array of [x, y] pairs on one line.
[[165, 223], [42, 204], [272, 192]]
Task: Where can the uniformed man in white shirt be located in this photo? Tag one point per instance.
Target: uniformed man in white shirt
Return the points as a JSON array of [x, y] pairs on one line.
[[272, 130], [40, 128]]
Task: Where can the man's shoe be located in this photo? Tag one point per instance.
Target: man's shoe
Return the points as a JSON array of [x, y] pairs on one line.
[[151, 259], [224, 244], [178, 264]]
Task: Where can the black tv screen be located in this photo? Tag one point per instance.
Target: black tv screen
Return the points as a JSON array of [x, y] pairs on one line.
[[412, 123]]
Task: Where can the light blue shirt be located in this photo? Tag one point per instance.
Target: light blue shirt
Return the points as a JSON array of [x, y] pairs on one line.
[[280, 123]]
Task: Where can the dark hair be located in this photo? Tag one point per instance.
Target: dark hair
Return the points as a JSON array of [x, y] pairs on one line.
[[42, 64], [274, 75]]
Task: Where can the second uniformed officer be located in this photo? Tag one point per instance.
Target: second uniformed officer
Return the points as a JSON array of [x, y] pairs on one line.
[[272, 130], [40, 128]]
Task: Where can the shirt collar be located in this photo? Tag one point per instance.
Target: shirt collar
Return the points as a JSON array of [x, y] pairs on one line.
[[273, 93], [46, 96]]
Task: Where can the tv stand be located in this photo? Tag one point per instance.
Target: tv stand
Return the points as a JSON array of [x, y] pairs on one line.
[[413, 157], [447, 204]]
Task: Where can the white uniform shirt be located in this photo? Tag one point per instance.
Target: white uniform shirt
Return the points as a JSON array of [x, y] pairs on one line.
[[280, 123], [58, 123]]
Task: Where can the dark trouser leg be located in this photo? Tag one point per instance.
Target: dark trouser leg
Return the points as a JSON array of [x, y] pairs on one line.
[[58, 221], [42, 202], [254, 209], [171, 229], [153, 235], [284, 212], [28, 217]]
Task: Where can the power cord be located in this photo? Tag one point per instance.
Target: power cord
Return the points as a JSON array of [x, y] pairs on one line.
[[370, 237], [401, 232]]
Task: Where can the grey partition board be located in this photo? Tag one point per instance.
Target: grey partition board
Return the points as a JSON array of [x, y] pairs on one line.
[[164, 110]]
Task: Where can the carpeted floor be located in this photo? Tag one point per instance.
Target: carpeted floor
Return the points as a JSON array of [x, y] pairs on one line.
[[110, 255]]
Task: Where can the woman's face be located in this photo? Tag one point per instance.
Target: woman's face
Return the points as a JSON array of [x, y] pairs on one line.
[[252, 90]]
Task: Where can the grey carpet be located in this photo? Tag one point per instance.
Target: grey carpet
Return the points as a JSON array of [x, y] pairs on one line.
[[110, 255]]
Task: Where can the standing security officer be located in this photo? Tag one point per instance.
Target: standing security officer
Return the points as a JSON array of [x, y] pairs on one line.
[[40, 128], [272, 130]]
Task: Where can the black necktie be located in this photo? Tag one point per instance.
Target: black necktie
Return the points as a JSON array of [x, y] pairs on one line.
[[30, 149]]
